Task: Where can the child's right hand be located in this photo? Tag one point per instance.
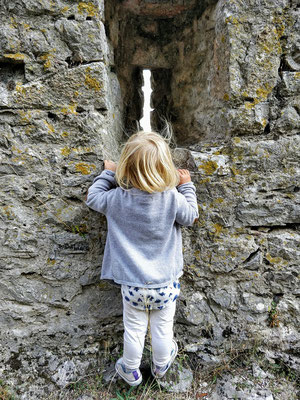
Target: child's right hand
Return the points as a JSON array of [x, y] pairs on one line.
[[184, 176], [108, 164]]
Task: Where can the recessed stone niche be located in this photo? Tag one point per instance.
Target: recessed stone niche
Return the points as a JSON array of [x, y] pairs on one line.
[[12, 73], [216, 67], [174, 40]]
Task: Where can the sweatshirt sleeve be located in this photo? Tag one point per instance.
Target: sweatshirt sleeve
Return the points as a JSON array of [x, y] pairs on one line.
[[98, 193], [187, 210]]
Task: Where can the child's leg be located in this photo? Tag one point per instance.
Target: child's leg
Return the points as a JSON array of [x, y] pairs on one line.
[[135, 329], [161, 325]]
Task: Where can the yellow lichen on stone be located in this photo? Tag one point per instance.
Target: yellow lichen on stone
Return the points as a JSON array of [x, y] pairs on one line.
[[249, 105], [29, 129], [16, 56], [71, 109], [269, 43], [209, 167], [47, 59], [263, 91], [52, 3], [226, 97], [16, 150], [65, 151], [20, 88], [13, 23], [219, 200], [290, 195], [25, 115], [218, 229], [92, 82], [262, 94], [84, 168], [88, 8], [49, 126], [79, 150], [235, 171], [230, 253], [231, 20], [64, 9], [275, 260], [264, 122], [279, 26], [270, 47], [205, 180]]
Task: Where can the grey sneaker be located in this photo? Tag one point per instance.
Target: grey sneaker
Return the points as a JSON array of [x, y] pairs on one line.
[[132, 377], [159, 372]]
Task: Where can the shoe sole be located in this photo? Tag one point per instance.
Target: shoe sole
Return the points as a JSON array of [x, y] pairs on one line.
[[171, 362], [135, 383]]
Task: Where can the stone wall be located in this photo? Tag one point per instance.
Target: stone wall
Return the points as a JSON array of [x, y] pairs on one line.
[[226, 74], [60, 113]]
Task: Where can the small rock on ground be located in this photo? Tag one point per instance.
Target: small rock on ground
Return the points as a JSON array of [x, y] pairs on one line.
[[178, 379]]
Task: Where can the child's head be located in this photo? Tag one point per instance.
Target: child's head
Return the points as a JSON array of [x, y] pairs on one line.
[[146, 164]]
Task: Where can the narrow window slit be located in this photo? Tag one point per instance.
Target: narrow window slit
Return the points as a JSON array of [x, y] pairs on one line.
[[145, 122]]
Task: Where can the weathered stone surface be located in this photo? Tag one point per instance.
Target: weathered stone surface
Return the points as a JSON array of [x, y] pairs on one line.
[[178, 379], [63, 92], [257, 385], [243, 267], [232, 76], [59, 118], [227, 75], [228, 388], [82, 9]]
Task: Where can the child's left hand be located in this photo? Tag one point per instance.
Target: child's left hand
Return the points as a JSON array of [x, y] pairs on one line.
[[108, 164], [184, 176]]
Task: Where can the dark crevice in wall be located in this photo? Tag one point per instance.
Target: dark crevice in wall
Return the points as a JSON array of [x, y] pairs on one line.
[[251, 256], [161, 99], [10, 72], [270, 228], [133, 101], [267, 128], [227, 332], [52, 116]]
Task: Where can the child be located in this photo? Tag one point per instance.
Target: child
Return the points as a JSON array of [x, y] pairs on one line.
[[143, 251]]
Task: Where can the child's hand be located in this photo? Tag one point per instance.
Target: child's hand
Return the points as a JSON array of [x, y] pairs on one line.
[[184, 176], [108, 164]]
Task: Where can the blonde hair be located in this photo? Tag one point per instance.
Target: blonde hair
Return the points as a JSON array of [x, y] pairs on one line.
[[146, 163]]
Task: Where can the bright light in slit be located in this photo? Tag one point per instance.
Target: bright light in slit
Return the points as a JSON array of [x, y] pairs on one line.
[[145, 121]]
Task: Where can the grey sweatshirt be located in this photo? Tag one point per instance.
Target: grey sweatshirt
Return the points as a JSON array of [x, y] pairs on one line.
[[143, 245]]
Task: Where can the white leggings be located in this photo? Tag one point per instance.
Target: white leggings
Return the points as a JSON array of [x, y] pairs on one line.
[[135, 329]]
